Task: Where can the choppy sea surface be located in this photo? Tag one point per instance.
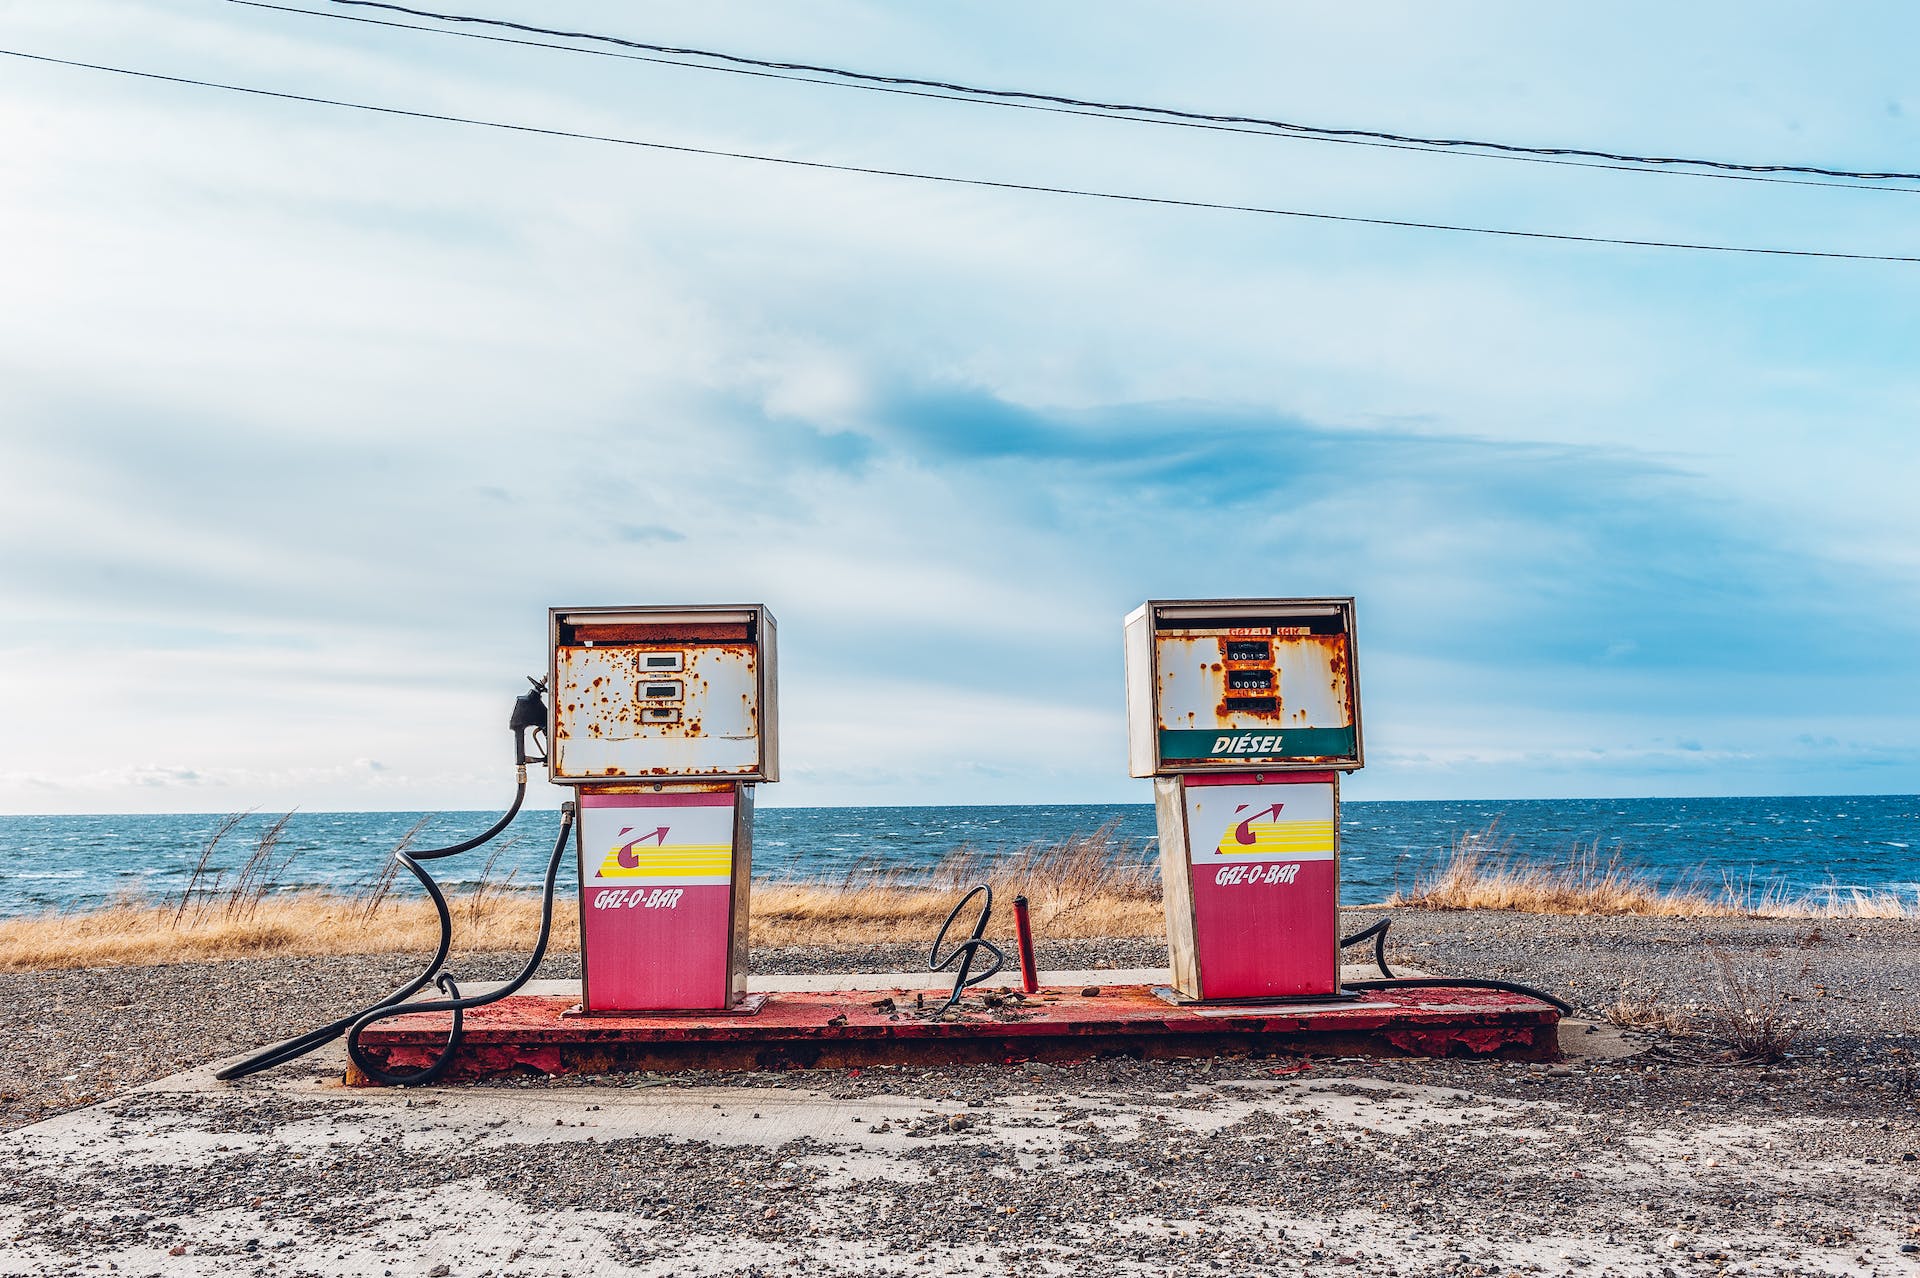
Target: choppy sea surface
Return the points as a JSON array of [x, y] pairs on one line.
[[1792, 843]]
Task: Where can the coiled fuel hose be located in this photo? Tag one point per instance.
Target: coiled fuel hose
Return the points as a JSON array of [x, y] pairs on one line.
[[529, 715], [1389, 981], [965, 951], [377, 1070]]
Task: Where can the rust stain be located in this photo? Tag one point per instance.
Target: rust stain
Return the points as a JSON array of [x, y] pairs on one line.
[[603, 694], [665, 633]]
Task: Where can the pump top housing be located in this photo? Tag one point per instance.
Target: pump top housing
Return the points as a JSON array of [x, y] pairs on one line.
[[657, 693], [1219, 685]]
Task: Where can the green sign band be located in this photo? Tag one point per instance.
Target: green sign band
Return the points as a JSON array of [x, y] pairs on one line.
[[1257, 743]]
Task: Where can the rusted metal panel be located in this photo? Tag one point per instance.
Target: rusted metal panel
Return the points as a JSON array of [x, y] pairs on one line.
[[645, 693], [802, 1031], [664, 632], [1217, 684], [681, 710]]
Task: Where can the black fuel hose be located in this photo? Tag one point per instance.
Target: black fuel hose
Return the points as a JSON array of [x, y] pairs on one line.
[[529, 715], [456, 1004], [1459, 983], [1391, 982], [491, 833], [966, 950], [1379, 934], [292, 1049]]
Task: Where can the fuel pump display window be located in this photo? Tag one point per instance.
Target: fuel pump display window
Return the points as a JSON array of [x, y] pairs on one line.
[[1226, 683]]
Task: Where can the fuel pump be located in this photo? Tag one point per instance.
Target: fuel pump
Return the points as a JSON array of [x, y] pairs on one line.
[[1245, 712], [664, 719]]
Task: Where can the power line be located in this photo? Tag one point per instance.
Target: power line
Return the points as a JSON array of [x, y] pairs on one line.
[[1287, 126], [1567, 161], [951, 180]]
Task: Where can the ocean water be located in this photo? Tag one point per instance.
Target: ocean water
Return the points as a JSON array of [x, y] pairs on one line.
[[1798, 843]]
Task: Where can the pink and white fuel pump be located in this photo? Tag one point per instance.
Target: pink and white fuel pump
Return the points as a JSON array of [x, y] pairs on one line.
[[1245, 712], [663, 721]]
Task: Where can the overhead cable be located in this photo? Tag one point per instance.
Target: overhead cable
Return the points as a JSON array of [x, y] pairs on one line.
[[1137, 109], [1565, 161], [953, 180]]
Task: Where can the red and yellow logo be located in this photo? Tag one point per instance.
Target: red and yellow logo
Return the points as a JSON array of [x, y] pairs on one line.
[[1267, 836], [651, 855]]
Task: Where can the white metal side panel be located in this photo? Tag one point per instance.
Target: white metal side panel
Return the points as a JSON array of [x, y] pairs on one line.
[[1143, 758]]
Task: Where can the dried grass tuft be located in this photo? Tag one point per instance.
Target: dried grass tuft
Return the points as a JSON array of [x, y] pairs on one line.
[[1750, 1014], [1482, 872], [1090, 885], [1631, 1011]]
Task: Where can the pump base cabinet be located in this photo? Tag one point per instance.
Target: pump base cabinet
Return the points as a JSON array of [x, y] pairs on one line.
[[663, 898], [1250, 866]]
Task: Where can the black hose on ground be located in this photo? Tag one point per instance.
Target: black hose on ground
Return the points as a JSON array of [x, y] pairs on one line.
[[529, 715], [1459, 983], [454, 1003], [293, 1049], [1379, 934], [1391, 982]]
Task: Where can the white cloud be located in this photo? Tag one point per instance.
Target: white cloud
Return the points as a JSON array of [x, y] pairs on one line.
[[308, 416]]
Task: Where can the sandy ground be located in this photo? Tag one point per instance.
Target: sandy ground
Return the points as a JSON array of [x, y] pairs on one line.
[[1641, 1154]]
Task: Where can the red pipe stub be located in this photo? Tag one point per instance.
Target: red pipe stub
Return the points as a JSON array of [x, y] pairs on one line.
[[1023, 929]]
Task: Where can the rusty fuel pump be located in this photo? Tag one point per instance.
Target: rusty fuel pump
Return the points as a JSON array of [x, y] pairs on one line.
[[663, 719], [1246, 713]]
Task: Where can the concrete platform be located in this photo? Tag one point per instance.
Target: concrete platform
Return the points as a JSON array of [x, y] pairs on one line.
[[805, 1029]]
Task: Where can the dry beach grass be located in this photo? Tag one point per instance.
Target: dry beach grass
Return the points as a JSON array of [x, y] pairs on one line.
[[1094, 885], [1482, 872]]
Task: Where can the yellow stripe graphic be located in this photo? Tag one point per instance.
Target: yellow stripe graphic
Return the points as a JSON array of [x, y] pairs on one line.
[[711, 861], [1279, 837]]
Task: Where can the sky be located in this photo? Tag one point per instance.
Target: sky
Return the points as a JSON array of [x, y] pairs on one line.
[[307, 415]]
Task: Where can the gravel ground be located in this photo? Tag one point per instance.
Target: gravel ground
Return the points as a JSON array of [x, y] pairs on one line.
[[1673, 1159]]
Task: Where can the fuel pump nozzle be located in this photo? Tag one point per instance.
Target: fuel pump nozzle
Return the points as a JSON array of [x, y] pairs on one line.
[[529, 714]]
